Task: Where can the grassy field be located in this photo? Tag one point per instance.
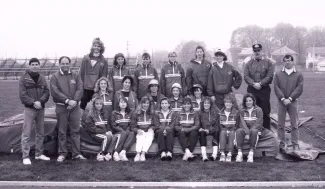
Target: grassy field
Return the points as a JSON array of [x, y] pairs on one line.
[[311, 103]]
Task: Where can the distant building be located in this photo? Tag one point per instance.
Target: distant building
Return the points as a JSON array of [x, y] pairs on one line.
[[315, 55]]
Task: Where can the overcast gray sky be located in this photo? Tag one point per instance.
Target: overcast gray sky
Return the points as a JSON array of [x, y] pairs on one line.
[[54, 28]]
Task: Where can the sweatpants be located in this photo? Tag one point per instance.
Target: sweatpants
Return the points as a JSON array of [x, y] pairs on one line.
[[31, 116], [107, 145], [262, 97], [144, 141], [253, 138], [292, 110], [165, 142], [126, 139], [227, 138], [86, 97], [188, 139], [203, 138], [68, 119]]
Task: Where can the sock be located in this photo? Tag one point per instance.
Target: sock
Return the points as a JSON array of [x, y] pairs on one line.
[[240, 153], [187, 150], [123, 152], [203, 150], [215, 150], [229, 154]]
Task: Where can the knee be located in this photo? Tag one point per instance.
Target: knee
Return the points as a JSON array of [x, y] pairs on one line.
[[253, 131]]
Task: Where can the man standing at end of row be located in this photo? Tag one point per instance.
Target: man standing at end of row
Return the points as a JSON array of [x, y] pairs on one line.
[[258, 74]]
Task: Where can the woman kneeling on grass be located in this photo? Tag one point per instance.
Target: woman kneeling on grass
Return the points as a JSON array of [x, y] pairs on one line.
[[121, 126], [251, 127], [187, 128], [99, 130], [209, 126], [165, 121], [142, 123], [229, 121]]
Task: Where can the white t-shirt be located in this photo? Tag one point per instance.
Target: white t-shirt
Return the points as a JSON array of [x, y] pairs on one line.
[[220, 64], [198, 61], [289, 71], [165, 114], [227, 114]]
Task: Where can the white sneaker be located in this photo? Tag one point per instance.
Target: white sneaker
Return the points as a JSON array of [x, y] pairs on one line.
[[116, 157], [143, 157], [239, 157], [100, 157], [213, 157], [250, 158], [169, 156], [108, 157], [223, 157], [205, 157], [137, 157], [228, 158], [123, 156], [27, 161], [42, 157], [185, 157], [163, 156], [61, 158]]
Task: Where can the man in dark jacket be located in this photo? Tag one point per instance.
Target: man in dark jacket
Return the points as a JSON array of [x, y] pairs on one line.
[[198, 71], [258, 74], [93, 66], [66, 90], [33, 93], [222, 78], [288, 86]]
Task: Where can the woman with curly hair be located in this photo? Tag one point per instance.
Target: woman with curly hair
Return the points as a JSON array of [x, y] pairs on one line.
[[118, 71], [126, 92]]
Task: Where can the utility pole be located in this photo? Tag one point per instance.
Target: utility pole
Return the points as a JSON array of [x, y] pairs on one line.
[[127, 50]]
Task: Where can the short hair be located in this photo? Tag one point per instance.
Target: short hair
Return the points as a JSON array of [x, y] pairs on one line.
[[164, 98], [248, 95], [171, 53], [200, 47], [33, 60], [145, 55], [230, 98], [129, 78], [62, 57], [116, 57], [287, 56]]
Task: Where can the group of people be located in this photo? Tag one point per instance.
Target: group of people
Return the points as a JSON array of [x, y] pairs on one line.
[[125, 109]]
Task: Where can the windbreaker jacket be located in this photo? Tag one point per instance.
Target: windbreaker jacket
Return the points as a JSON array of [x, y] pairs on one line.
[[116, 75], [259, 71], [96, 124], [188, 121], [142, 120], [155, 106], [162, 122], [210, 120], [120, 123], [253, 120], [196, 106], [89, 75], [222, 79], [233, 121], [132, 99], [108, 103], [65, 86], [176, 105], [197, 74], [142, 77], [171, 73], [29, 91]]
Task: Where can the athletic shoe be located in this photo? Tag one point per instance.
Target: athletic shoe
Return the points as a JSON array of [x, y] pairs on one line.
[[137, 157], [108, 157], [222, 158], [27, 161], [204, 157], [61, 158], [42, 157], [116, 157], [185, 158], [250, 158], [79, 157], [228, 158], [100, 157], [190, 156], [213, 157], [239, 158], [163, 156], [169, 156], [123, 156], [296, 148], [143, 157]]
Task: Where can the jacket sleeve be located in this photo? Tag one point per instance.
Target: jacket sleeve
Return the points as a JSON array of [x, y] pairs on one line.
[[215, 123], [25, 99], [55, 91], [136, 81], [163, 81], [238, 121], [278, 92], [133, 122], [299, 88], [78, 94], [259, 122], [110, 80], [177, 125], [189, 80], [183, 80], [46, 93], [269, 75], [82, 69], [173, 121], [104, 71], [237, 78], [90, 124], [243, 124], [114, 125], [210, 83], [247, 78], [196, 125]]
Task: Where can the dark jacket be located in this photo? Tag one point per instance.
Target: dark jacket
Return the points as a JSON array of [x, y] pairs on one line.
[[253, 120], [196, 106], [197, 74], [96, 124], [108, 103], [116, 75], [132, 99], [142, 120], [171, 73], [188, 122], [288, 86], [142, 77], [259, 71], [176, 105], [65, 86], [222, 79], [120, 123], [155, 106], [210, 120], [89, 75], [162, 122], [29, 91], [233, 121]]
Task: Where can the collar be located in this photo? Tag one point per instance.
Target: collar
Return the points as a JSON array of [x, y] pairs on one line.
[[172, 63], [69, 72], [294, 69], [262, 58]]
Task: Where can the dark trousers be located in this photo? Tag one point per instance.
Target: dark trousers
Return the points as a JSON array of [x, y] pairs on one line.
[[240, 137], [126, 139], [227, 140], [68, 119], [188, 139], [107, 145], [165, 142], [86, 97], [203, 138], [263, 101]]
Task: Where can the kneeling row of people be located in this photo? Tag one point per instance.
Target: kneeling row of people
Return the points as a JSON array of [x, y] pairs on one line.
[[227, 126]]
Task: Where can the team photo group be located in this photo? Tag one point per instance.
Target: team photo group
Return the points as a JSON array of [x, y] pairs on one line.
[[117, 108]]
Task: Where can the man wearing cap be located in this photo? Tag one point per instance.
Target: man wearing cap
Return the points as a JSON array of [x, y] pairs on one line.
[[222, 77], [258, 74], [154, 95], [171, 73], [93, 66], [33, 93]]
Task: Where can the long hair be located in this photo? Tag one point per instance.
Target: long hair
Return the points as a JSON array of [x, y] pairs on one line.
[[248, 95], [139, 108], [101, 44], [213, 107], [93, 111], [128, 77], [97, 87], [127, 109], [116, 57]]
